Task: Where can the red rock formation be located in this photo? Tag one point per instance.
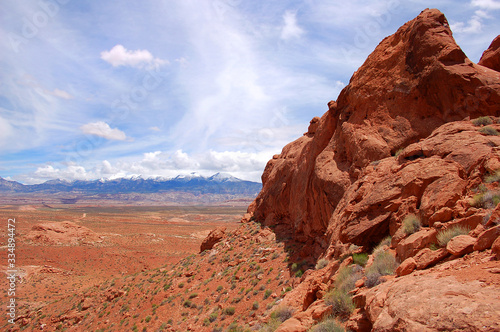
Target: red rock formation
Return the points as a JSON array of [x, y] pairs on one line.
[[335, 177], [491, 57], [213, 238]]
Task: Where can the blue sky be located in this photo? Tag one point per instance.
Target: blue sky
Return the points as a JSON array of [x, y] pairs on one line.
[[106, 89]]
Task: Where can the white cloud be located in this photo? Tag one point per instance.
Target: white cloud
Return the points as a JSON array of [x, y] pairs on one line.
[[486, 4], [102, 129], [474, 25], [61, 94], [290, 28], [120, 56]]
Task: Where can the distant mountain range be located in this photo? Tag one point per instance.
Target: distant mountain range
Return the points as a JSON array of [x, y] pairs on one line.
[[220, 183]]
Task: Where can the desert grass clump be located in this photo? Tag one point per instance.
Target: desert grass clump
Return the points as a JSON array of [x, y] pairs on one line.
[[360, 258], [411, 224], [495, 177], [490, 131], [384, 263], [482, 121], [444, 236], [321, 263], [328, 325], [488, 199], [282, 313], [338, 297]]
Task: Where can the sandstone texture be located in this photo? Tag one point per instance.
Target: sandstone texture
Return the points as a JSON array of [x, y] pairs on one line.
[[213, 238], [340, 182], [430, 303], [491, 57]]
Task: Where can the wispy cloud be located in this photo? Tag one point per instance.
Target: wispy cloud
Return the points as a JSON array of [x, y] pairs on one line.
[[486, 4], [290, 27], [120, 56], [102, 129]]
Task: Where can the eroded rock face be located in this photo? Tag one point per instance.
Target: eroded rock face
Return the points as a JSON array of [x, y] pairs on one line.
[[491, 57], [429, 303], [414, 82], [213, 238]]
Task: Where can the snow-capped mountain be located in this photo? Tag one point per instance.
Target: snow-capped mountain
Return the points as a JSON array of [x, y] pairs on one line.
[[219, 183]]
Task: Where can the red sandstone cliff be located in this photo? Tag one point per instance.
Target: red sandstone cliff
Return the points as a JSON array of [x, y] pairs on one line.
[[415, 81]]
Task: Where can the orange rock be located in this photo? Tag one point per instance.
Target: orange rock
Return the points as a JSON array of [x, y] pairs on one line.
[[213, 238], [291, 325], [414, 82], [427, 257], [491, 57], [486, 238], [495, 248], [406, 267], [461, 245]]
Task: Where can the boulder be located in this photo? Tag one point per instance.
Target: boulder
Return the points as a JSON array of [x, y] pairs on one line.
[[461, 245], [427, 257], [495, 248], [214, 237], [62, 233], [486, 238], [406, 267], [291, 325], [416, 241]]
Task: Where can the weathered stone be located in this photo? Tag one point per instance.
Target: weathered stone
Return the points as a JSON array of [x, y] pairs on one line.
[[406, 267], [486, 238], [416, 241], [491, 57], [461, 245], [427, 257], [214, 237], [495, 248]]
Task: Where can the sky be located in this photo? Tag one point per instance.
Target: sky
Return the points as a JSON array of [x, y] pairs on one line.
[[109, 89]]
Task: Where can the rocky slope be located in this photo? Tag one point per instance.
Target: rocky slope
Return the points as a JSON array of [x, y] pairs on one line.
[[390, 198]]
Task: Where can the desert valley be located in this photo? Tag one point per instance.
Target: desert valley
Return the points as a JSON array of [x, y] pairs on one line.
[[383, 216]]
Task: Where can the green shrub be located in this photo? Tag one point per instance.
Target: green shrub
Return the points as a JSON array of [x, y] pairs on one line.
[[487, 199], [341, 302], [347, 277], [229, 311], [193, 295], [255, 305], [360, 259], [490, 131], [384, 263], [299, 273], [187, 304], [495, 177], [411, 224], [147, 319], [267, 293], [446, 235], [294, 267], [321, 263], [328, 325], [482, 121], [282, 313], [219, 288], [213, 316]]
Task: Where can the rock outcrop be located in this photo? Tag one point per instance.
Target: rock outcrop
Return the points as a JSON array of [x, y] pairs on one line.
[[338, 183], [213, 238], [62, 233], [491, 57]]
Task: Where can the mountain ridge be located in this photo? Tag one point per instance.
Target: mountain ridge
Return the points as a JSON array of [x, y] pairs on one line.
[[219, 183]]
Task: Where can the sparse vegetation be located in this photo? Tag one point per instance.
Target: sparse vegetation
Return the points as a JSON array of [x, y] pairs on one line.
[[321, 263], [338, 297], [495, 177], [482, 121], [446, 235], [360, 258], [384, 263], [486, 199], [490, 131], [328, 325], [411, 224]]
